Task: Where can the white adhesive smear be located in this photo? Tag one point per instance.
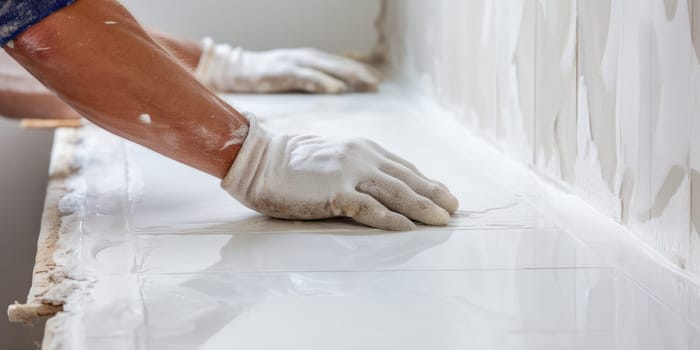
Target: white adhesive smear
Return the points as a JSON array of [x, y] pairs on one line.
[[237, 137]]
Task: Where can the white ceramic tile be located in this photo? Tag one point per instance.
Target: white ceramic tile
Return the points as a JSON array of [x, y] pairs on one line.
[[110, 343], [107, 256], [410, 310], [104, 172], [117, 312], [357, 251]]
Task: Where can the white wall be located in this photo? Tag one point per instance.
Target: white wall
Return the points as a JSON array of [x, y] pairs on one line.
[[332, 25], [601, 95]]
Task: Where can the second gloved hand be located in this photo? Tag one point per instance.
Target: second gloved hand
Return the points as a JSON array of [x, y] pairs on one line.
[[232, 69], [310, 177]]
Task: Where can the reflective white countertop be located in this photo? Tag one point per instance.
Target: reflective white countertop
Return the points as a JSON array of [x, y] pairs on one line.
[[178, 264]]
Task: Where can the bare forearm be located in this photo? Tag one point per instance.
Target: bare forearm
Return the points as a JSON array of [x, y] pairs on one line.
[[98, 59], [186, 51]]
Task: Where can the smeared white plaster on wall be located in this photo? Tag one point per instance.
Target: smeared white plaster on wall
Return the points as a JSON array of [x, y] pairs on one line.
[[589, 182], [613, 140]]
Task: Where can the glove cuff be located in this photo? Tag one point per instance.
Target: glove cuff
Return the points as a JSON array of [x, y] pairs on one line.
[[239, 180], [214, 64]]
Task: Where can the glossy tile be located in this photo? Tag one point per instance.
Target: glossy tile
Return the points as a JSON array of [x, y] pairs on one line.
[[118, 312], [110, 343], [413, 310], [107, 256], [358, 251], [103, 164]]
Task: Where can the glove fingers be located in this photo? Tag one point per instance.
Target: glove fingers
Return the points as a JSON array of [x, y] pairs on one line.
[[400, 198], [393, 157], [368, 211], [426, 188], [314, 81], [354, 73]]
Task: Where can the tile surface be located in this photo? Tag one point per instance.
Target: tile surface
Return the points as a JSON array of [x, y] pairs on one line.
[[179, 265]]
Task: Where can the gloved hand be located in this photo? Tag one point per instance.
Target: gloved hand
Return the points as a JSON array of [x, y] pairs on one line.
[[232, 69], [310, 177]]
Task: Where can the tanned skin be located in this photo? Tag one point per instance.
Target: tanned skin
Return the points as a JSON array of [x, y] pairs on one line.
[[96, 58]]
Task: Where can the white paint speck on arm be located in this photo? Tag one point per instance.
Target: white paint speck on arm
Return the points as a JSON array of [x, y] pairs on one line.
[[145, 118], [11, 44], [110, 22]]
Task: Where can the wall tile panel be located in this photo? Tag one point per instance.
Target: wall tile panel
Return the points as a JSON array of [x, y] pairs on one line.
[[634, 92], [516, 77], [555, 88], [597, 165], [671, 109], [695, 152]]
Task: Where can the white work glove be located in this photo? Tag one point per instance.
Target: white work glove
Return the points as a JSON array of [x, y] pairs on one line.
[[311, 177], [232, 69]]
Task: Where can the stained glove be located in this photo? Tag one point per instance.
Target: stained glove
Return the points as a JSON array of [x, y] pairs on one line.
[[311, 177], [232, 69]]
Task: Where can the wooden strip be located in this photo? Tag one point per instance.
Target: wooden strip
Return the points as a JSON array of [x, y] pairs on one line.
[[50, 123], [61, 159]]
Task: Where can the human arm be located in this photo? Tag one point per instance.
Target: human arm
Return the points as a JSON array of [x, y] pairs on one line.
[[21, 96], [116, 74]]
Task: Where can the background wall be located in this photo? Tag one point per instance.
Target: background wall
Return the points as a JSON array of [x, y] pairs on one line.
[[601, 95], [332, 25]]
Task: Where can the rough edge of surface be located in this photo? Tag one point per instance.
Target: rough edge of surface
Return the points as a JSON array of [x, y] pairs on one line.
[[55, 277]]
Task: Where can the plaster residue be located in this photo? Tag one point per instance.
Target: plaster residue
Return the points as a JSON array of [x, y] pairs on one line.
[[110, 22], [145, 118], [599, 55], [672, 182], [11, 44], [237, 137], [590, 181], [671, 7], [627, 187]]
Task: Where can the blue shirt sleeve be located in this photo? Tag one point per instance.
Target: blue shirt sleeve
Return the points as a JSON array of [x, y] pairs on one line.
[[18, 15]]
